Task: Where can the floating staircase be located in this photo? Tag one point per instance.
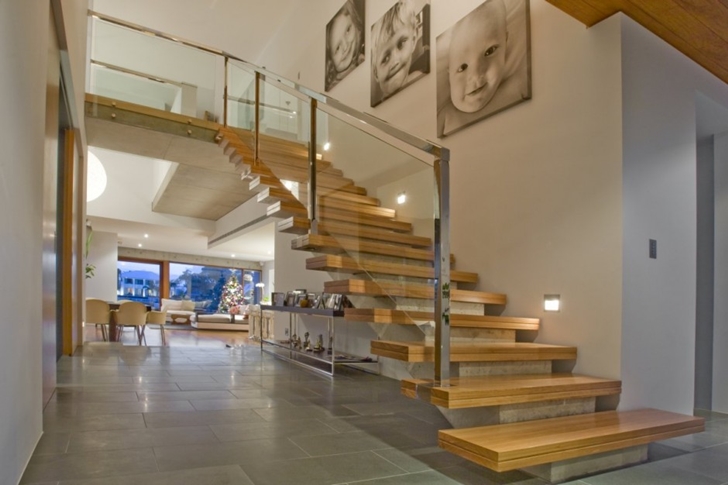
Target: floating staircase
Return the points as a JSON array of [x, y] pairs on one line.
[[509, 409]]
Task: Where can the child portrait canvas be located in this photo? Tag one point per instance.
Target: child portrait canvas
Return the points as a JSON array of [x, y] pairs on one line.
[[483, 64], [400, 48], [344, 42]]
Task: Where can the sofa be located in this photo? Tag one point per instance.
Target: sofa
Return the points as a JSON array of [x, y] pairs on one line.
[[180, 311]]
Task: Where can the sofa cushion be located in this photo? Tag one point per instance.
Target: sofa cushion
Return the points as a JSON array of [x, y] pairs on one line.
[[188, 306], [171, 305]]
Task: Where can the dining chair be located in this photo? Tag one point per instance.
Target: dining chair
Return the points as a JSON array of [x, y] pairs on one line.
[[156, 318], [99, 314], [132, 314]]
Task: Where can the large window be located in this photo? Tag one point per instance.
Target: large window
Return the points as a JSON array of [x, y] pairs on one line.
[[138, 282], [204, 284]]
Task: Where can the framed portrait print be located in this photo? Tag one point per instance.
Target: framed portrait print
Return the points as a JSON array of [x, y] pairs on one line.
[[344, 42], [400, 48], [483, 64]]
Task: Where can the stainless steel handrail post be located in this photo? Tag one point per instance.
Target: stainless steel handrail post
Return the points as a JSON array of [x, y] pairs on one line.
[[312, 216], [442, 268], [257, 119], [225, 95]]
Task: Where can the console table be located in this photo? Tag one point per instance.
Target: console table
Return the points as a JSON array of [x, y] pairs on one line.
[[324, 362]]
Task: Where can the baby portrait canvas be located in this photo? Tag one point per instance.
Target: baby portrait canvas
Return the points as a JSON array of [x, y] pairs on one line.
[[483, 64], [344, 42], [400, 48]]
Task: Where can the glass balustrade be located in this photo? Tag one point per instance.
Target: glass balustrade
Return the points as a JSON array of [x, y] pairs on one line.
[[371, 200]]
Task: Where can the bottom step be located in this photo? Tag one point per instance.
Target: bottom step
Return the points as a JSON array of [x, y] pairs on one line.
[[506, 447]]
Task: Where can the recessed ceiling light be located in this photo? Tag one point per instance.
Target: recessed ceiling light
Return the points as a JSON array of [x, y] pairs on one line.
[[270, 252], [146, 236], [232, 255]]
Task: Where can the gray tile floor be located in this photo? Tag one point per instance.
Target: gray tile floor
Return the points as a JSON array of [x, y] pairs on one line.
[[139, 415]]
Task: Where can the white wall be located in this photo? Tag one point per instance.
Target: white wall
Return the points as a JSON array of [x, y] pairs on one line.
[[24, 28], [658, 334], [720, 302], [103, 253], [536, 190]]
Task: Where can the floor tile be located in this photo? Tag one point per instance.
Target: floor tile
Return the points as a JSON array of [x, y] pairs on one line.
[[653, 473], [139, 438], [89, 465], [263, 430], [321, 470], [200, 418], [242, 452], [223, 475]]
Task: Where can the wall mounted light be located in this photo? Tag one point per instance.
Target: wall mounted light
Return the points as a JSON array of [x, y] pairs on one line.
[[552, 303], [327, 145], [401, 198], [140, 244]]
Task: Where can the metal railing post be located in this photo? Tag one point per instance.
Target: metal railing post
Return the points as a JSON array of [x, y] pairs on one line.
[[442, 269], [257, 117], [312, 216], [225, 95]]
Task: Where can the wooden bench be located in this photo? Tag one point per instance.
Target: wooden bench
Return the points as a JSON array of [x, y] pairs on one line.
[[507, 447]]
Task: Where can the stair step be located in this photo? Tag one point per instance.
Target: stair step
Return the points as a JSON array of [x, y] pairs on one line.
[[270, 195], [270, 146], [379, 229], [257, 180], [286, 208], [510, 446], [287, 172], [347, 197], [335, 245], [240, 152], [293, 225], [410, 290], [401, 317], [342, 263], [363, 209], [490, 352], [469, 392]]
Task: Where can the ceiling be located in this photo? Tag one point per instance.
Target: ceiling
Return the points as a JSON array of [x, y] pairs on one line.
[[697, 28]]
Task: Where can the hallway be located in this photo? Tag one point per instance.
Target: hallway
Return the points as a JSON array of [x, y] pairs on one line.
[[215, 415]]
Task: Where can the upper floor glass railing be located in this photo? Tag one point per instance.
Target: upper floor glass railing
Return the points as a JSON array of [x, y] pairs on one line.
[[371, 194]]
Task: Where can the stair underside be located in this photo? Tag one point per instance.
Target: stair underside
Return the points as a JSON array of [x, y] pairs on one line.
[[344, 264], [259, 182], [490, 352], [506, 447], [468, 392], [413, 290], [400, 317], [334, 245]]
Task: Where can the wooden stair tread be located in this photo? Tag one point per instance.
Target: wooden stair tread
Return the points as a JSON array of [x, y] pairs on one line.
[[506, 447], [329, 244], [258, 180], [401, 317], [364, 209], [342, 263], [410, 290], [378, 230], [487, 352], [297, 209], [467, 392]]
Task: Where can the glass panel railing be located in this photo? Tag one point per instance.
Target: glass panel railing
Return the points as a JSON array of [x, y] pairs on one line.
[[284, 124], [169, 76], [240, 97], [378, 212]]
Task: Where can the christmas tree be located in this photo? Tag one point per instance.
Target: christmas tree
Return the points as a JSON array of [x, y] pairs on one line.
[[232, 295]]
